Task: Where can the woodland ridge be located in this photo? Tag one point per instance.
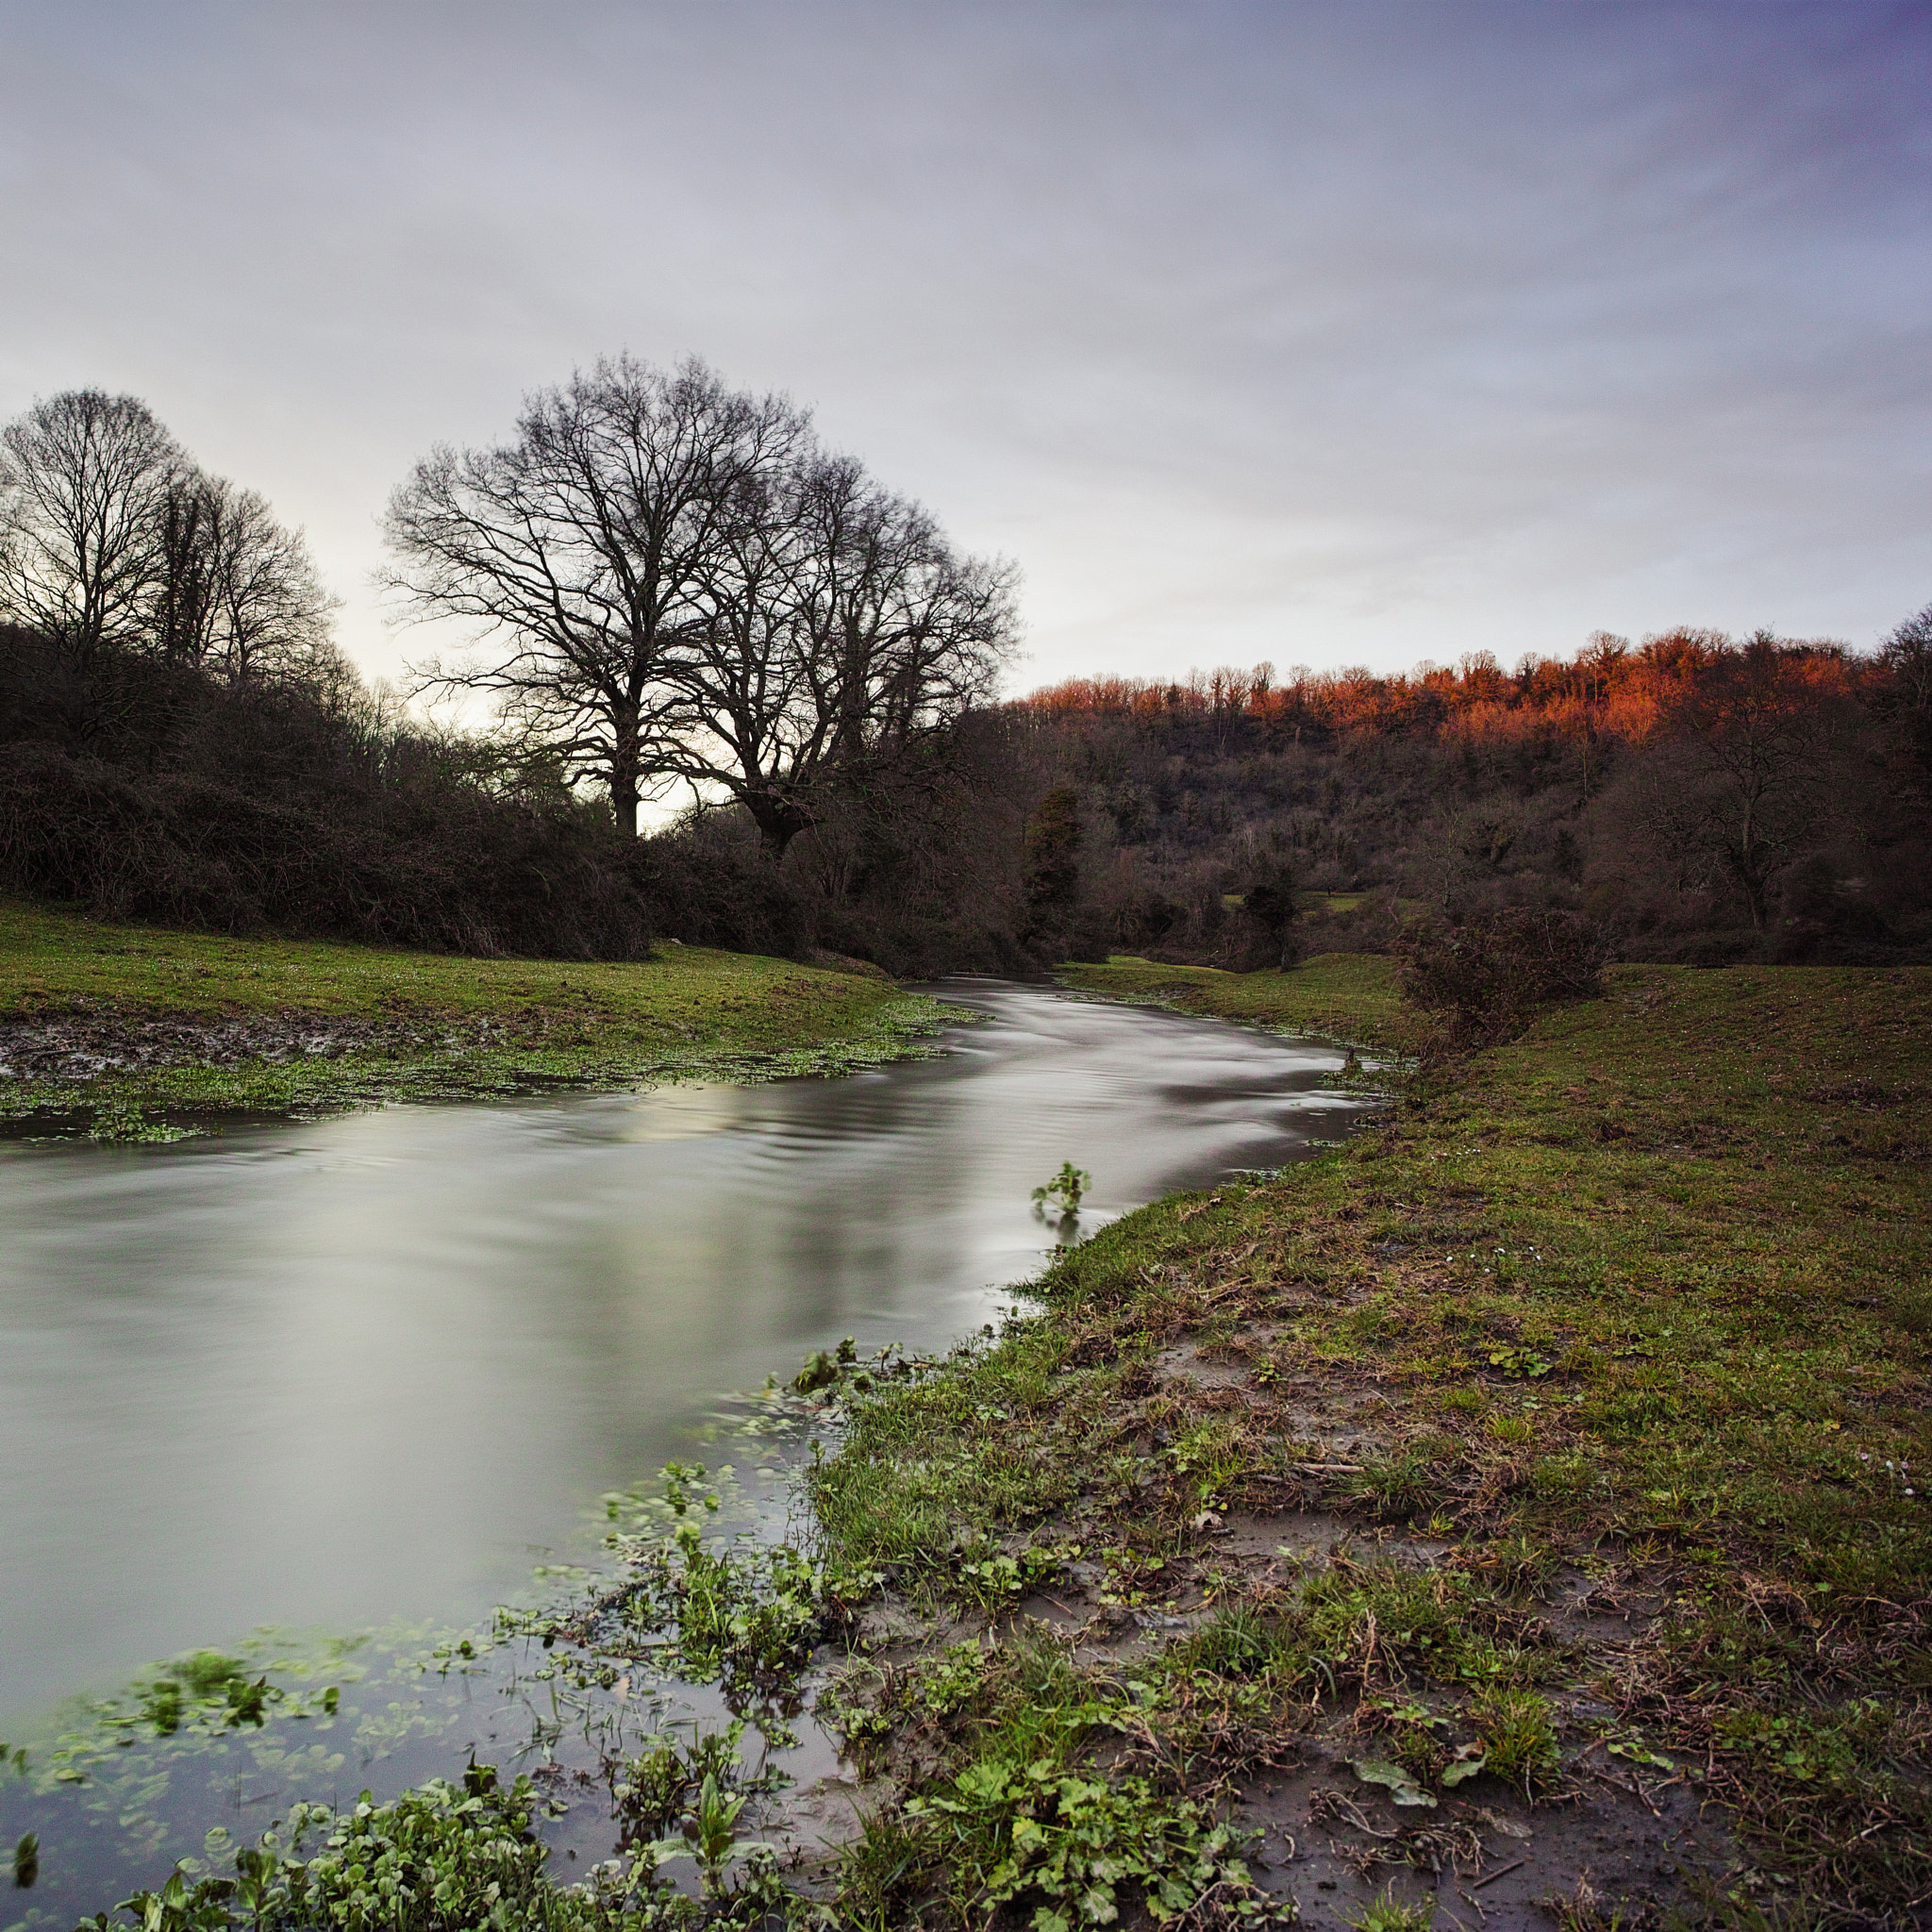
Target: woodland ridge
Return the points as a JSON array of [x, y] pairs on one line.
[[673, 592]]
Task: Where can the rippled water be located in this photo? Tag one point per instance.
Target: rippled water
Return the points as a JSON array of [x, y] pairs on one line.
[[334, 1373]]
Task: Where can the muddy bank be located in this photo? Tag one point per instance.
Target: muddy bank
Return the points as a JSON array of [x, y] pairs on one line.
[[1516, 1512], [1181, 1659], [79, 1047]]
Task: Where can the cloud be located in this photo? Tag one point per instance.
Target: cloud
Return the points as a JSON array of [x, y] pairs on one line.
[[1323, 334]]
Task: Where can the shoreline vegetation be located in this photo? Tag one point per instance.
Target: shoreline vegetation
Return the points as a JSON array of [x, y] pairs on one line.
[[1532, 1487], [136, 1033], [673, 590], [1511, 1516]]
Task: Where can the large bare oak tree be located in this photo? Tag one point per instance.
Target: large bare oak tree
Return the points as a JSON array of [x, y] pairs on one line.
[[583, 553], [667, 579], [844, 628]]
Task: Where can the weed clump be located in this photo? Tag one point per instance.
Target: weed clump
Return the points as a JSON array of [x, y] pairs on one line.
[[1064, 1192]]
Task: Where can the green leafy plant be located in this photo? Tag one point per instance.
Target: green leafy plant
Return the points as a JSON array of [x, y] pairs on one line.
[[951, 1681], [1398, 1780], [827, 1369], [1065, 1191], [214, 1690], [747, 1614], [654, 1786], [1523, 1362], [711, 1829], [438, 1855], [1076, 1843]]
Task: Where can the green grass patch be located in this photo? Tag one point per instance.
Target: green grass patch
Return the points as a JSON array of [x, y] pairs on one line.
[[1634, 1305], [1343, 995], [195, 1024]]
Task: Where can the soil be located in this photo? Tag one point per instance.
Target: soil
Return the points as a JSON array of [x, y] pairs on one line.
[[80, 1047], [1599, 1836]]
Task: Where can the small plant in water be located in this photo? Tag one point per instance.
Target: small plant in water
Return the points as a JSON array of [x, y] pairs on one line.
[[654, 1786], [712, 1829], [827, 1369], [1065, 1191]]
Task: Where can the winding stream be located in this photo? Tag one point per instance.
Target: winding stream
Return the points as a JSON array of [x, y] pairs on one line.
[[338, 1374]]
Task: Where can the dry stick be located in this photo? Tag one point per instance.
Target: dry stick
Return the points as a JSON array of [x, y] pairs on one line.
[[1503, 1873], [1319, 1468]]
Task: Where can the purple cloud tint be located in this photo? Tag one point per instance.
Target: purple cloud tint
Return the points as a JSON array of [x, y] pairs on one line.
[[1321, 333]]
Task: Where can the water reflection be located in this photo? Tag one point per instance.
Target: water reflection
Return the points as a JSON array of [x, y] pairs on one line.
[[337, 1373]]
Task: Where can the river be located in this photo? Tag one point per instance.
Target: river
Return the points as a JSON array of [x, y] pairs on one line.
[[337, 1373]]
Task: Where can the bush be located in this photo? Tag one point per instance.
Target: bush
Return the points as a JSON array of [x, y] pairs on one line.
[[712, 891], [1486, 977], [453, 872], [147, 790]]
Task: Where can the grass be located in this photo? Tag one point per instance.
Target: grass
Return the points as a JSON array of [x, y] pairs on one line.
[[1634, 1311], [207, 1024], [1341, 995]]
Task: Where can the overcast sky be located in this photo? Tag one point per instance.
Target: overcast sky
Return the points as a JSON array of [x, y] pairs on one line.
[[1319, 334]]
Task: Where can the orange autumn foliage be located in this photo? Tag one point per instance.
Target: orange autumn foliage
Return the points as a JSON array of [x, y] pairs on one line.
[[1608, 690]]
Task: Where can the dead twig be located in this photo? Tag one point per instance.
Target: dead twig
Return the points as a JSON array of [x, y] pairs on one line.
[[1501, 1872]]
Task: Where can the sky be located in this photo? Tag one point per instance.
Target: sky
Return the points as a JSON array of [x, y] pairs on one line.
[[1320, 335]]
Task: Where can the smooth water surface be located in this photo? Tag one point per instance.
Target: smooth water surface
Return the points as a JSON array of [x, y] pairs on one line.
[[338, 1373]]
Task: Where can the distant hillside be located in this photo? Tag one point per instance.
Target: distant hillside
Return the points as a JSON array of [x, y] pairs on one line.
[[1715, 799]]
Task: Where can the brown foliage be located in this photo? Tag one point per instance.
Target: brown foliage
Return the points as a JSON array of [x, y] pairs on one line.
[[1487, 976]]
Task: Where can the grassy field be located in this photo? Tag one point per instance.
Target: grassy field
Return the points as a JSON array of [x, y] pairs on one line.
[[1537, 1484], [1341, 995], [131, 1027]]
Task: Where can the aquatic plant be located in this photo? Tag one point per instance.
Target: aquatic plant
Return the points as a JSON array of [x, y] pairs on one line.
[[1065, 1191]]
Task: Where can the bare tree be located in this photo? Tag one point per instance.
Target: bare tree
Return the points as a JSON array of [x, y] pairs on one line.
[[1906, 655], [843, 629], [235, 589], [271, 612], [183, 614], [85, 483], [585, 552], [1749, 766]]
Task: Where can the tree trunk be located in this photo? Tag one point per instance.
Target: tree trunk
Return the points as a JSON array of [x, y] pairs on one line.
[[778, 819], [624, 799], [626, 757]]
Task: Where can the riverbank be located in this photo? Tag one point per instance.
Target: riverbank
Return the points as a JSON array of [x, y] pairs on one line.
[[134, 1032], [1344, 996], [1510, 1517], [1518, 1508]]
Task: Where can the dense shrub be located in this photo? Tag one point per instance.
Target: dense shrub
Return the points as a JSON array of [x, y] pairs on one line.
[[1486, 977], [470, 873], [707, 890], [148, 791]]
